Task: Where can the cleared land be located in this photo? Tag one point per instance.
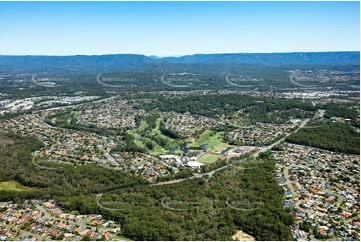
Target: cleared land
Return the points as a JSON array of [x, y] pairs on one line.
[[221, 147], [13, 186], [210, 158]]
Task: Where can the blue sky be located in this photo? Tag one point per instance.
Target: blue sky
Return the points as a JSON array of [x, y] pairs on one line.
[[177, 28]]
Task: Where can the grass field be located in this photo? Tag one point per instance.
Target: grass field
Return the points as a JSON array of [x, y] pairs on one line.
[[207, 138], [121, 238], [214, 145], [157, 150], [138, 140], [222, 146], [157, 126], [143, 125], [53, 120], [170, 142], [214, 142], [73, 116], [13, 186], [209, 158]]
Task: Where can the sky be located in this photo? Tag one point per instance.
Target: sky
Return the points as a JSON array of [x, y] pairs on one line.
[[177, 28]]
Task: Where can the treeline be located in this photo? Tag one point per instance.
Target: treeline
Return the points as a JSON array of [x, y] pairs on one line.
[[129, 145], [151, 121], [341, 110], [169, 132], [183, 173], [279, 112], [344, 110], [205, 105], [338, 137], [217, 105]]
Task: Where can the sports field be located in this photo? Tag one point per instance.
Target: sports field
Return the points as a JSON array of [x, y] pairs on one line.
[[209, 158]]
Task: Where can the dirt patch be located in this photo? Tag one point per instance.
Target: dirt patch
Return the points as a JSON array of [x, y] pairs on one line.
[[242, 236], [5, 141]]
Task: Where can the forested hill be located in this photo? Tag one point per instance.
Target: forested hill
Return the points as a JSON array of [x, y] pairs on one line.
[[129, 61], [297, 58], [76, 62]]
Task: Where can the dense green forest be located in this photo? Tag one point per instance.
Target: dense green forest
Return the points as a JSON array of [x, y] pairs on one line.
[[219, 105], [338, 137], [208, 208]]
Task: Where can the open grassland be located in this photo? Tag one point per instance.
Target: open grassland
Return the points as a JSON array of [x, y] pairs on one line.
[[143, 125], [210, 158], [13, 186], [207, 138], [222, 146], [214, 146]]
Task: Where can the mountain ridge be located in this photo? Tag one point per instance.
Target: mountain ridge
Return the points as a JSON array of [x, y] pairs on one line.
[[125, 61]]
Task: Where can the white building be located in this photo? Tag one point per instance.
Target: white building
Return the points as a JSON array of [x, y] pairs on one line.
[[194, 164]]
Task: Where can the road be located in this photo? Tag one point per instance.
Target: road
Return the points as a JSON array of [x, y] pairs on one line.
[[22, 233], [266, 148], [286, 175], [83, 223]]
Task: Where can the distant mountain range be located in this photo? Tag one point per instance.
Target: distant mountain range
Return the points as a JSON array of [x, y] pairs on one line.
[[125, 61], [298, 58]]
